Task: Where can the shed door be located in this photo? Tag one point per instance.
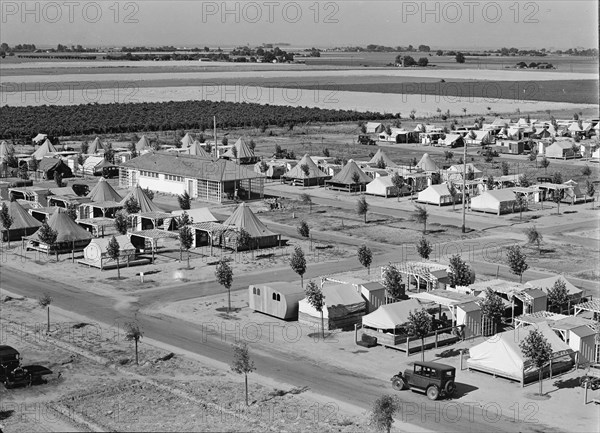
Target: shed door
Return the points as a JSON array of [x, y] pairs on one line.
[[191, 188]]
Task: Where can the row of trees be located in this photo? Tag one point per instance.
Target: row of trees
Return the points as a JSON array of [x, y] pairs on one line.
[[163, 116]]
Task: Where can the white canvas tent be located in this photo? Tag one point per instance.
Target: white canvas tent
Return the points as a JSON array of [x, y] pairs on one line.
[[44, 150], [198, 215], [501, 355], [391, 316], [381, 155], [498, 201], [382, 186], [427, 164], [344, 307], [435, 194], [89, 165]]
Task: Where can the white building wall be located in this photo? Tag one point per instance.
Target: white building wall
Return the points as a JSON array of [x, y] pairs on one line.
[[161, 184]]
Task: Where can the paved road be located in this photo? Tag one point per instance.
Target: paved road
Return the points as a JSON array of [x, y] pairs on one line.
[[335, 383]]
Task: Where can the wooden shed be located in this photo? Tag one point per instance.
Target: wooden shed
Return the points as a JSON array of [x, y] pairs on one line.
[[279, 299]]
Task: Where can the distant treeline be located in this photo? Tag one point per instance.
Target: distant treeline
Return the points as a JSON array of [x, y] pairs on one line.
[[60, 57], [163, 116]]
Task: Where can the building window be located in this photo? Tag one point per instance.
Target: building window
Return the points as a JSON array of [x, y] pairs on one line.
[[278, 297], [254, 290], [148, 174], [258, 291], [173, 178], [274, 297]]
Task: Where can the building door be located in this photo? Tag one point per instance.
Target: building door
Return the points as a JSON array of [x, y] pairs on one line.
[[190, 187], [133, 179]]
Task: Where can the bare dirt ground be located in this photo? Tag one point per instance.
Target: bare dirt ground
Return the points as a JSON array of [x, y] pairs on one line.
[[96, 385], [338, 349]]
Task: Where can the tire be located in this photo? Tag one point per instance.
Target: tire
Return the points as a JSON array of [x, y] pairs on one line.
[[433, 392], [398, 384], [450, 388]]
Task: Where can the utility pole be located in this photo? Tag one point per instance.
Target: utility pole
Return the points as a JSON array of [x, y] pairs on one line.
[[215, 134], [464, 176]]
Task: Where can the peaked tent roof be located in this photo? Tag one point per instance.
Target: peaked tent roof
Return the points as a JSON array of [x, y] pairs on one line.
[[143, 144], [196, 149], [242, 150], [95, 146], [501, 353], [66, 228], [313, 170], [244, 218], [21, 218], [386, 159], [347, 173], [546, 283], [146, 205], [103, 191], [390, 316], [44, 150], [427, 164], [186, 141], [5, 150]]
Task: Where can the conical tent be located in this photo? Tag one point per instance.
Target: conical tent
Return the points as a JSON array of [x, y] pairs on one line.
[[6, 150], [66, 229], [386, 159], [44, 150], [244, 218], [103, 191], [146, 205], [21, 218], [242, 150], [347, 174], [196, 149], [427, 164], [143, 144], [95, 147], [186, 141], [313, 171]]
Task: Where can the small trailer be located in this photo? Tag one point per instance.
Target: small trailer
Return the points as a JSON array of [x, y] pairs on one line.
[[13, 374]]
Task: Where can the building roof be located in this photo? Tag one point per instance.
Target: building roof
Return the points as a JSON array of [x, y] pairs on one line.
[[244, 218], [386, 159], [501, 195], [191, 166], [146, 205], [187, 140], [196, 149], [458, 168], [154, 234], [345, 176], [451, 138], [390, 316], [313, 170], [284, 287], [142, 144], [427, 164], [48, 163], [95, 146], [21, 218], [546, 283], [103, 191], [102, 243], [66, 229], [44, 150], [443, 297], [242, 150], [198, 215]]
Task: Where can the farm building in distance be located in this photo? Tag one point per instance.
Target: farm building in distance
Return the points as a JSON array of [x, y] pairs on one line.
[[202, 178]]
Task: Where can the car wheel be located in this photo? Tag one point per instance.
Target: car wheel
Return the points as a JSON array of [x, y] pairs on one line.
[[450, 388], [398, 384], [433, 392]]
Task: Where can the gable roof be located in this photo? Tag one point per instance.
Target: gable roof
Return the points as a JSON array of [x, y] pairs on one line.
[[451, 138], [44, 150], [546, 283], [65, 227], [427, 164], [244, 218], [347, 173], [501, 195], [458, 168], [146, 205], [198, 215], [386, 159], [313, 170], [390, 316], [21, 218], [103, 191], [48, 163], [194, 167]]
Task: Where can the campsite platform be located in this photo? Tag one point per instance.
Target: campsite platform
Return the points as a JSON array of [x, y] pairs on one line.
[[431, 342], [113, 265]]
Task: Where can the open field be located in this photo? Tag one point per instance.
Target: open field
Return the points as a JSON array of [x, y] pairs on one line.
[[96, 385]]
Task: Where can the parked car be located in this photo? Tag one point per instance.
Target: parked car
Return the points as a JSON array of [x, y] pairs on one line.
[[365, 139], [433, 378], [12, 373]]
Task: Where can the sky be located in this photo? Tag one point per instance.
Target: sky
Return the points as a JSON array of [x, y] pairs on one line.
[[439, 24]]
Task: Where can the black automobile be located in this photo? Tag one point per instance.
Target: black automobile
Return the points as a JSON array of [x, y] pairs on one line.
[[432, 378]]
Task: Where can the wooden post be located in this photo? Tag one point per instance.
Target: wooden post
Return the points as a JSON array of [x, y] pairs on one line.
[[461, 359], [436, 339], [585, 399], [356, 333], [407, 347], [550, 369]]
